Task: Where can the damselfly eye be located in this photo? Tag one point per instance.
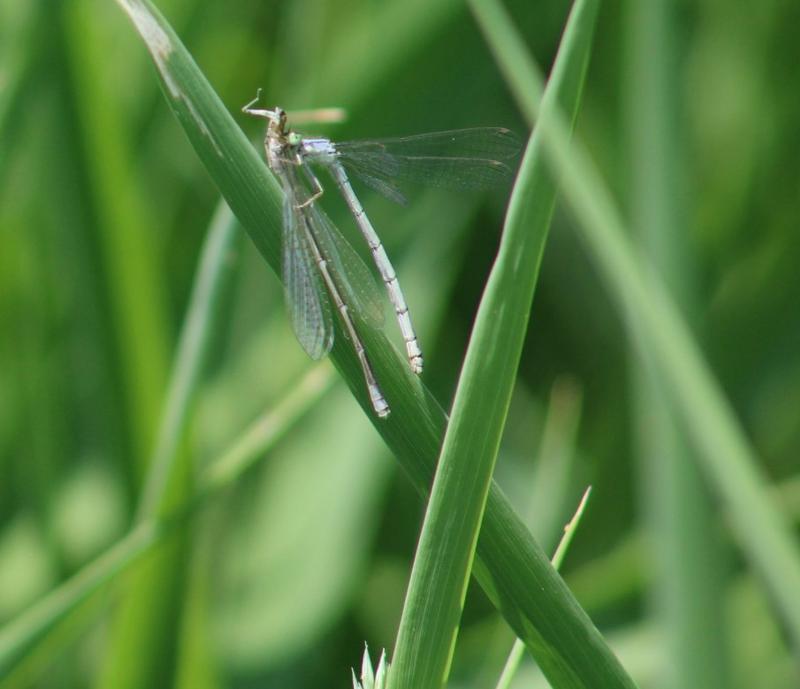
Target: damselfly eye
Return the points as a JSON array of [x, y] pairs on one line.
[[294, 139]]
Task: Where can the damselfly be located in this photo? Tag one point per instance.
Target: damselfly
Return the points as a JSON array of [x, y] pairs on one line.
[[317, 259]]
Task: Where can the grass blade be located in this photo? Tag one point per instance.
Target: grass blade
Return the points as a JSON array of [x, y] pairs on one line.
[[147, 617], [727, 457], [213, 273], [20, 636], [135, 278], [518, 650], [433, 604], [555, 468], [687, 586]]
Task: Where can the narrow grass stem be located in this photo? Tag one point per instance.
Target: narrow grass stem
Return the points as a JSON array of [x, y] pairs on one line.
[[517, 652]]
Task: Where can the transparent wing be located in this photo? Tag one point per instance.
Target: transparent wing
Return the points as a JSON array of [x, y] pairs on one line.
[[356, 282], [458, 159], [306, 299]]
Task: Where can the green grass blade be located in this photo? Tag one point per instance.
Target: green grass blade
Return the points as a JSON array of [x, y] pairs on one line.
[[20, 637], [214, 273], [551, 485], [403, 27], [429, 624], [512, 568], [512, 55], [150, 609], [518, 650], [728, 459], [570, 529], [22, 57], [135, 277], [687, 585]]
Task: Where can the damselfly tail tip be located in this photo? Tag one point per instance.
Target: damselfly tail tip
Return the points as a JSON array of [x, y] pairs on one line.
[[379, 403], [416, 364]]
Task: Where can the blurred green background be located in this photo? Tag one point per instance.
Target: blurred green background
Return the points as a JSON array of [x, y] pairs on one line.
[[103, 210]]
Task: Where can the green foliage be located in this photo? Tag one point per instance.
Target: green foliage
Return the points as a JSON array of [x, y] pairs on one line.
[[427, 632], [186, 502]]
